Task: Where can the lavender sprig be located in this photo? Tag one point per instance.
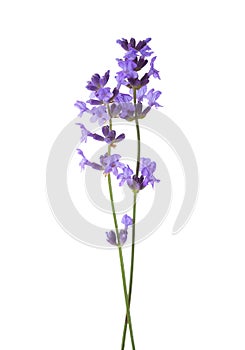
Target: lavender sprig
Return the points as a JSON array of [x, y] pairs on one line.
[[104, 104]]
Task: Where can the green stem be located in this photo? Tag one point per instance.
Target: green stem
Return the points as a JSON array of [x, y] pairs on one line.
[[121, 264], [120, 253], [133, 229]]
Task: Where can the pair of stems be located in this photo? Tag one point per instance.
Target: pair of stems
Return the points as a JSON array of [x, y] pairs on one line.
[[128, 295]]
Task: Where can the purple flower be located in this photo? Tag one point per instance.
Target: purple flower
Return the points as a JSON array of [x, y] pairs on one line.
[[140, 113], [99, 114], [140, 94], [128, 68], [115, 110], [104, 94], [110, 135], [152, 96], [147, 168], [126, 175], [153, 71], [138, 83], [85, 132], [137, 183], [133, 49], [147, 163], [127, 111], [123, 234], [85, 161], [98, 82], [123, 98], [110, 163], [111, 237], [140, 62], [127, 221], [127, 72], [82, 106]]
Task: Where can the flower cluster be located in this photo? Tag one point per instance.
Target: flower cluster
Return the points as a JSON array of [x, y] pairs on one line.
[[122, 104], [137, 183], [123, 234], [125, 100]]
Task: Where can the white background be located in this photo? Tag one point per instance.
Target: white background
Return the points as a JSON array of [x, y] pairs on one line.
[[57, 293]]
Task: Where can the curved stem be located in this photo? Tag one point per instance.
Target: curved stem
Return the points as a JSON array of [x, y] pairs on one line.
[[134, 227], [120, 254]]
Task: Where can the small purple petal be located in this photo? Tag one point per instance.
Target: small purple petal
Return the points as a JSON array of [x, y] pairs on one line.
[[96, 166], [95, 102], [95, 79], [120, 138], [106, 130], [105, 78], [98, 137]]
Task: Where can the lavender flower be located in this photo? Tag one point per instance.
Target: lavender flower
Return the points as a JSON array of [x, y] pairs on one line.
[[147, 168], [123, 98], [111, 163], [140, 94], [138, 83], [137, 183], [85, 132], [147, 163], [108, 163], [125, 176], [134, 49], [152, 96], [98, 82], [99, 114], [82, 106], [85, 161], [123, 233], [106, 103], [127, 111], [140, 63], [110, 135], [128, 68], [127, 221], [153, 71], [139, 112]]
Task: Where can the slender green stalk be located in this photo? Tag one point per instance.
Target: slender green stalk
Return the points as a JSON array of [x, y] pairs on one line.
[[121, 264], [120, 253], [133, 229]]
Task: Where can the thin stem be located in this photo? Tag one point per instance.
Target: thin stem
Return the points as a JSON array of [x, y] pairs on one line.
[[120, 249], [121, 264], [134, 227]]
